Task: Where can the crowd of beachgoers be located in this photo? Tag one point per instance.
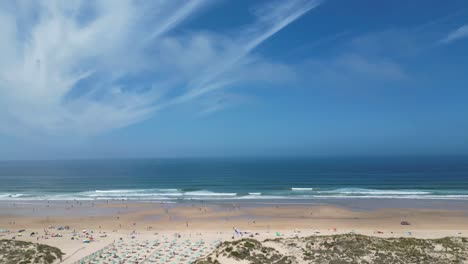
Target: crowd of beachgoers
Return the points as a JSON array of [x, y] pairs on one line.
[[126, 232], [134, 247]]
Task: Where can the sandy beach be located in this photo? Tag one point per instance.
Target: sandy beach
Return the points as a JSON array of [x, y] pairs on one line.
[[146, 229]]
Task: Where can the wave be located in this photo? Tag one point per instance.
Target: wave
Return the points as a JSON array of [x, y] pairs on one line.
[[263, 197], [356, 191], [11, 195], [132, 193], [120, 191], [301, 189], [208, 193], [294, 193], [154, 194], [412, 197]]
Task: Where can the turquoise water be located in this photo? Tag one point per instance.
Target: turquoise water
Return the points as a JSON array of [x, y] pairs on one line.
[[236, 179]]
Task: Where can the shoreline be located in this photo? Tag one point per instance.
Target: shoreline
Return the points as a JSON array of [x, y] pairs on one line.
[[281, 196], [108, 207]]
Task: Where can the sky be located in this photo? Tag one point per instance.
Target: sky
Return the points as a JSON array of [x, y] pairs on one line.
[[179, 78]]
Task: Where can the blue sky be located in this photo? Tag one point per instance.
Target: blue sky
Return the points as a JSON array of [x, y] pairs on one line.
[[107, 79]]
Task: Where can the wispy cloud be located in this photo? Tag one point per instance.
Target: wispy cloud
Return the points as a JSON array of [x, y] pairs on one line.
[[178, 16], [270, 19], [86, 67], [351, 70], [219, 101], [370, 60], [459, 33]]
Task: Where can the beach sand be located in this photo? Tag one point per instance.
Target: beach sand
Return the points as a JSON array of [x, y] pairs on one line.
[[197, 227]]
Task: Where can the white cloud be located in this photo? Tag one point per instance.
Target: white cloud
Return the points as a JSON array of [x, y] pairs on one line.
[[85, 67], [374, 68], [270, 20], [351, 70], [373, 59], [459, 33]]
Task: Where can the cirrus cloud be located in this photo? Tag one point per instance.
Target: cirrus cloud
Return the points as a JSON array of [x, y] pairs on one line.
[[459, 33], [86, 67]]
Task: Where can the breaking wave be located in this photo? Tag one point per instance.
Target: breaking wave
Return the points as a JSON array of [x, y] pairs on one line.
[[292, 193]]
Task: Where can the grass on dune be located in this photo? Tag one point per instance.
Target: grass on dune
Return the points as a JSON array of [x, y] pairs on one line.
[[20, 252], [337, 249]]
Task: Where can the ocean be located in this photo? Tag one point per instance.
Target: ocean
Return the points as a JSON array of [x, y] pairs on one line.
[[174, 180]]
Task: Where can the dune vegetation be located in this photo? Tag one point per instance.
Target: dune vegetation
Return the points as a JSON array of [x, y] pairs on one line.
[[20, 252], [337, 249]]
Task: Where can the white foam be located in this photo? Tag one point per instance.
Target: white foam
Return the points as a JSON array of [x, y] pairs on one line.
[[295, 193], [208, 193], [357, 191], [411, 197], [301, 189], [11, 195], [263, 197], [131, 194], [137, 191]]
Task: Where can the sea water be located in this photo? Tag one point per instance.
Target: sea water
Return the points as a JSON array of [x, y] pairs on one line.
[[236, 179]]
